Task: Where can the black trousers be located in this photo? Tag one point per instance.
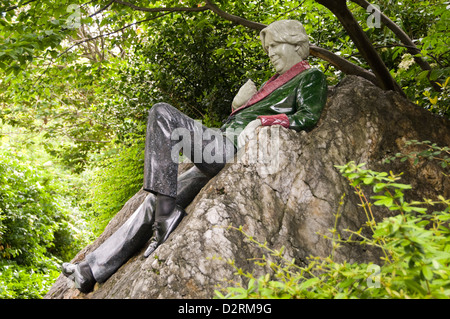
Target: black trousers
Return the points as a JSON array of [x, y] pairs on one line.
[[168, 133]]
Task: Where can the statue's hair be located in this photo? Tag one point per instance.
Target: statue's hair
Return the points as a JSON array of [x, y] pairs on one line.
[[288, 31]]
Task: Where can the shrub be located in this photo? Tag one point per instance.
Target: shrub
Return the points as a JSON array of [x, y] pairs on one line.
[[118, 176], [36, 229]]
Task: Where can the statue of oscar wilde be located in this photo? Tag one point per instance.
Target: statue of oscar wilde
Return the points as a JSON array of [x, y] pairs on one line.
[[293, 98]]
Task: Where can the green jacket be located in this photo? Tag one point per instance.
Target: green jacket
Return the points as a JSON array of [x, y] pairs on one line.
[[297, 103]]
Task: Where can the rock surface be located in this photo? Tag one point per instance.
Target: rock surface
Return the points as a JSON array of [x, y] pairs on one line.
[[286, 196]]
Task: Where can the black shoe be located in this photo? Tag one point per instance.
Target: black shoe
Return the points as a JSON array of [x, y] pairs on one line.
[[81, 274], [162, 229]]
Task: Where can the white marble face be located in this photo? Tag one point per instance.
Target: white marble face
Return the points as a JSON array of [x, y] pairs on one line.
[[283, 56]]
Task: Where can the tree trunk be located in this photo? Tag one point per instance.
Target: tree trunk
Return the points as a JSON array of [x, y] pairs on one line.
[[285, 199], [362, 42], [405, 39]]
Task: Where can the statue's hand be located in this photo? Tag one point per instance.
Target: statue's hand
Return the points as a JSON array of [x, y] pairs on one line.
[[248, 132], [245, 93]]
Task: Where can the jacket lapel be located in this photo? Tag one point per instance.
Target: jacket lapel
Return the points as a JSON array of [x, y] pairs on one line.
[[274, 83]]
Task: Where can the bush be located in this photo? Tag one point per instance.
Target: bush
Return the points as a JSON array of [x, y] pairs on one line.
[[19, 282], [36, 230], [118, 176]]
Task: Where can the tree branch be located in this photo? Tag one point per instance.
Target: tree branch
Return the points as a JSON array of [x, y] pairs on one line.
[[93, 38], [15, 7], [324, 54], [230, 17], [342, 64], [112, 32], [102, 9], [362, 42], [186, 9], [403, 37], [337, 61], [393, 27]]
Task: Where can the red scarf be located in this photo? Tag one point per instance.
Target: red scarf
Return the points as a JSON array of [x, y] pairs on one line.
[[274, 83]]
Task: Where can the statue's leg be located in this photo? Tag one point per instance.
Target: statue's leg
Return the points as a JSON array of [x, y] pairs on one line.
[[167, 129], [100, 264], [137, 230], [189, 185], [124, 242], [168, 132], [160, 177]]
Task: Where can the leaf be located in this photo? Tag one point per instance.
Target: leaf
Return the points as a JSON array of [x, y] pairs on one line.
[[353, 176], [413, 285], [383, 201], [341, 295], [309, 283], [418, 209], [427, 273], [346, 283], [446, 82], [422, 75], [436, 264], [434, 100], [219, 294], [251, 284], [444, 217], [401, 186], [379, 187]]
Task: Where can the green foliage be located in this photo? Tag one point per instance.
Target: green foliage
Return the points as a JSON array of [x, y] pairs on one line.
[[427, 24], [37, 227], [98, 91], [27, 208], [117, 177], [21, 40], [430, 151], [415, 243], [19, 282], [83, 81]]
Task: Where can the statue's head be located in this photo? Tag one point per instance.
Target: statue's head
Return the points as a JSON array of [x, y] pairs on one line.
[[286, 43]]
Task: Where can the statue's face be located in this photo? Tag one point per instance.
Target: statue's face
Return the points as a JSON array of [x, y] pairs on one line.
[[283, 56]]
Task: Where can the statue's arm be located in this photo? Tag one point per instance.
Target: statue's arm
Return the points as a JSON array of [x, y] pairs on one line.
[[311, 97], [244, 94]]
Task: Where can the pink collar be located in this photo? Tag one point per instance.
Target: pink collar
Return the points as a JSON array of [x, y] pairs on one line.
[[274, 83]]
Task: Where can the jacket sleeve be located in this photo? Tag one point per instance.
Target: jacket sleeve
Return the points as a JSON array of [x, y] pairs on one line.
[[311, 97], [278, 119]]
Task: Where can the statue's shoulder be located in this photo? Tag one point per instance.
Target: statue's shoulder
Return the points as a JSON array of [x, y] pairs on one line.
[[313, 70], [308, 75]]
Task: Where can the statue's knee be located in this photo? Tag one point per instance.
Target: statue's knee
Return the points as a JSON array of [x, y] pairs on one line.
[[159, 108]]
